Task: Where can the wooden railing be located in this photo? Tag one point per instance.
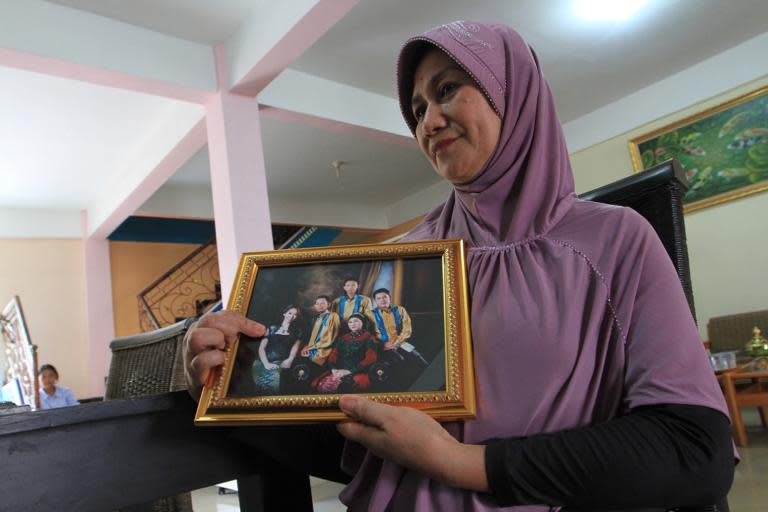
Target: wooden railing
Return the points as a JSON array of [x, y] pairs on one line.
[[186, 290]]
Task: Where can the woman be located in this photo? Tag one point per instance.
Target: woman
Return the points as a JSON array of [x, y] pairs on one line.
[[277, 350], [594, 391], [348, 363], [51, 394]]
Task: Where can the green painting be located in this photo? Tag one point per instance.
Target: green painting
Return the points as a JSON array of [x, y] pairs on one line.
[[724, 150]]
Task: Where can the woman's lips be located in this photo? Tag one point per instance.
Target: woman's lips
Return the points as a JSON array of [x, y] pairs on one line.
[[442, 146]]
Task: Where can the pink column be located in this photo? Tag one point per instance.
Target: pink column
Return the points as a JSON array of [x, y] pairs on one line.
[[98, 307], [238, 181]]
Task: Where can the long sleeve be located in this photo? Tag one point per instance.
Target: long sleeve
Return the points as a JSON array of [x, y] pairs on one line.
[[70, 397], [386, 325], [656, 456], [322, 337], [405, 330]]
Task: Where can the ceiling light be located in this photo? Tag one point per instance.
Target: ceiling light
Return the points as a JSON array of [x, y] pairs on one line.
[[607, 10]]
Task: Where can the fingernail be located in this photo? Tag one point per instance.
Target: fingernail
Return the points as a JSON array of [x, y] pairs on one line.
[[347, 404]]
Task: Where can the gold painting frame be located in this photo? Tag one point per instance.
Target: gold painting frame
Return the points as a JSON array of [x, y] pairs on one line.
[[446, 258], [715, 148]]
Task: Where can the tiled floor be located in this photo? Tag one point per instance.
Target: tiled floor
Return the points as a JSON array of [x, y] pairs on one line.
[[750, 484], [324, 495], [748, 494]]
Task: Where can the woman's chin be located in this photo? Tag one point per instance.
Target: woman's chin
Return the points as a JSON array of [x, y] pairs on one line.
[[458, 178]]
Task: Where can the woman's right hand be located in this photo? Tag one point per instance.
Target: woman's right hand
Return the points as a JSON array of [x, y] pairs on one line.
[[206, 341]]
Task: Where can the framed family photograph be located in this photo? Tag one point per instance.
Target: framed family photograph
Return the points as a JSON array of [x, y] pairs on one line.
[[388, 321], [724, 150]]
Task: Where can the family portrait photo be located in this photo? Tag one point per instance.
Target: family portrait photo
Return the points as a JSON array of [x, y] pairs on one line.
[[344, 327]]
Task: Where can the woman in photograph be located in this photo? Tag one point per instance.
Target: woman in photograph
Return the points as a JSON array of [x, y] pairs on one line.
[[51, 394], [350, 360], [593, 388], [277, 350]]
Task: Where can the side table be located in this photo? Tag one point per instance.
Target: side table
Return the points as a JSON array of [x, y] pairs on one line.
[[745, 386]]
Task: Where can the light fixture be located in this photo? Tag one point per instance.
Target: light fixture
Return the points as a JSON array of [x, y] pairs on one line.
[[337, 165], [607, 10]]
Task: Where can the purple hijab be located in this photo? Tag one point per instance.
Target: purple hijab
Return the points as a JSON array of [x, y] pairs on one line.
[[577, 312]]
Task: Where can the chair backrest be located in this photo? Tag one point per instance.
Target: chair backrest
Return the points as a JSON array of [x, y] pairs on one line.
[[731, 332], [148, 363], [656, 194]]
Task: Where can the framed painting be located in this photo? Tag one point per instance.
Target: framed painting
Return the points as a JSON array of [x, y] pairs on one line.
[[389, 321], [724, 150]]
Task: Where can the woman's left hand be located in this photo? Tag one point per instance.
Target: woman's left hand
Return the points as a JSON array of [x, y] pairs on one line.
[[412, 439]]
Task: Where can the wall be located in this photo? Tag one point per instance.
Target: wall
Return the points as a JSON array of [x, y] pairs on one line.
[[135, 265], [727, 244], [47, 275]]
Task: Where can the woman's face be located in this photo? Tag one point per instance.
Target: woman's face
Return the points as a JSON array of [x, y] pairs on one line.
[[48, 379], [290, 314], [355, 324], [456, 127]]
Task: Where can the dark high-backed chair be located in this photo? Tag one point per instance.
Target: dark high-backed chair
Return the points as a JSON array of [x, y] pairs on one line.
[[656, 194]]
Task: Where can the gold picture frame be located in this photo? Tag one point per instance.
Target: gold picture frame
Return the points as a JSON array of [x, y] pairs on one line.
[[723, 150], [415, 332]]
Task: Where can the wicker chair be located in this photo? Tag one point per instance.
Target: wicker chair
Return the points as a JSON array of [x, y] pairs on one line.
[[150, 364]]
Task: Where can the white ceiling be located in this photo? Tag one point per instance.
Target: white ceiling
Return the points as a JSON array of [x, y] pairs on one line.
[[58, 134], [588, 64], [202, 21], [299, 157]]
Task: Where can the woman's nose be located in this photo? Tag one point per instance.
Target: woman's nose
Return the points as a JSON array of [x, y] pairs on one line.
[[434, 118]]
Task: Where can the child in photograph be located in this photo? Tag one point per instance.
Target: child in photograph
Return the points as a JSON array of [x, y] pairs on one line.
[[350, 359], [277, 350]]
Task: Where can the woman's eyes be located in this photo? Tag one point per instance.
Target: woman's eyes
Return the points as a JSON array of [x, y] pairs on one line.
[[443, 91], [446, 88]]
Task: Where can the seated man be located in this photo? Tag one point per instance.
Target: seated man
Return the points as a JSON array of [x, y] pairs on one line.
[[351, 302], [392, 325], [325, 329]]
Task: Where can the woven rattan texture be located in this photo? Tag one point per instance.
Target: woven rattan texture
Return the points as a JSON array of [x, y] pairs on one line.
[[731, 332], [150, 364]]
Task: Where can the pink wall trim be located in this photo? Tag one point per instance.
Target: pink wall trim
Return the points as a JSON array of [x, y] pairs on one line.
[[290, 116], [99, 313], [324, 15], [190, 144], [220, 62], [98, 76]]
